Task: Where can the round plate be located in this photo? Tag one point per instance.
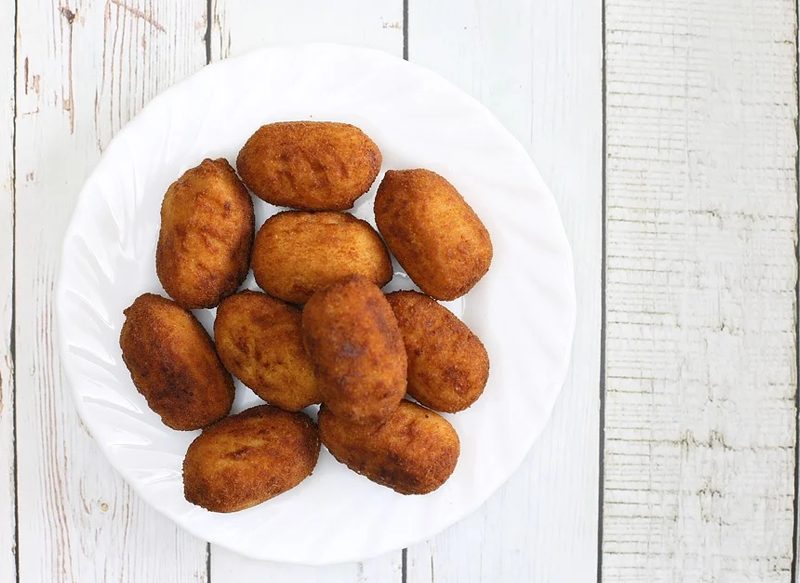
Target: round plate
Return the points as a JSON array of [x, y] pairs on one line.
[[523, 310]]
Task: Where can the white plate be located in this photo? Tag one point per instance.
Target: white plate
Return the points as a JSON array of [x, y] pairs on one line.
[[523, 310]]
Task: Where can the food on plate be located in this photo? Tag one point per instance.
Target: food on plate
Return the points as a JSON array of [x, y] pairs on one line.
[[297, 253], [173, 364], [413, 452], [249, 458], [435, 235], [207, 226], [260, 341], [352, 337], [447, 363], [351, 348], [309, 165]]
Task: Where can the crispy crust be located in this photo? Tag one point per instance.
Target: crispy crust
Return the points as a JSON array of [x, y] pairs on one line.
[[249, 458], [297, 253], [413, 452], [207, 226], [260, 341], [309, 165], [173, 364], [435, 235], [352, 337], [447, 364]]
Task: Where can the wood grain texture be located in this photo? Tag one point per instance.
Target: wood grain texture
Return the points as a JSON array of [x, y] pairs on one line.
[[239, 26], [537, 66], [8, 570], [701, 274], [84, 68]]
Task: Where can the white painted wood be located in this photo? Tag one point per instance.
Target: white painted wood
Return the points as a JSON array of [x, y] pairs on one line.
[[84, 68], [7, 497], [701, 275], [796, 573], [227, 566], [239, 26], [701, 272], [538, 67]]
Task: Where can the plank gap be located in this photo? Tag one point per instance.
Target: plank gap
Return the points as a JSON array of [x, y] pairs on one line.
[[603, 317], [405, 38], [12, 337], [207, 38], [208, 562], [793, 572]]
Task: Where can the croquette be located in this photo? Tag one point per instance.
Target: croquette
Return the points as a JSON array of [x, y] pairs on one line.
[[447, 364], [260, 341], [173, 364], [207, 226], [309, 165], [353, 339], [413, 452], [432, 231], [249, 458], [297, 253]]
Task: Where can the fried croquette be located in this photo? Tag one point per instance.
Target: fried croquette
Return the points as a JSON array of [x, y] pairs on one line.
[[207, 227], [260, 341], [173, 364], [447, 364], [296, 253], [309, 165], [249, 458], [413, 452], [435, 235], [352, 337]]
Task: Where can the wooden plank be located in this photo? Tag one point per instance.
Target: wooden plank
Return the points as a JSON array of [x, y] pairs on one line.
[[701, 305], [8, 570], [84, 68], [239, 26], [796, 561], [538, 67], [228, 566]]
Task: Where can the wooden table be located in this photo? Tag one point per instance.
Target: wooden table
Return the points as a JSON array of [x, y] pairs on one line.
[[667, 131]]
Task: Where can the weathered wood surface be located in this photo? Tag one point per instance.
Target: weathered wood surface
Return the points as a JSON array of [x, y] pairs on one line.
[[8, 567], [701, 272], [83, 69], [701, 346]]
